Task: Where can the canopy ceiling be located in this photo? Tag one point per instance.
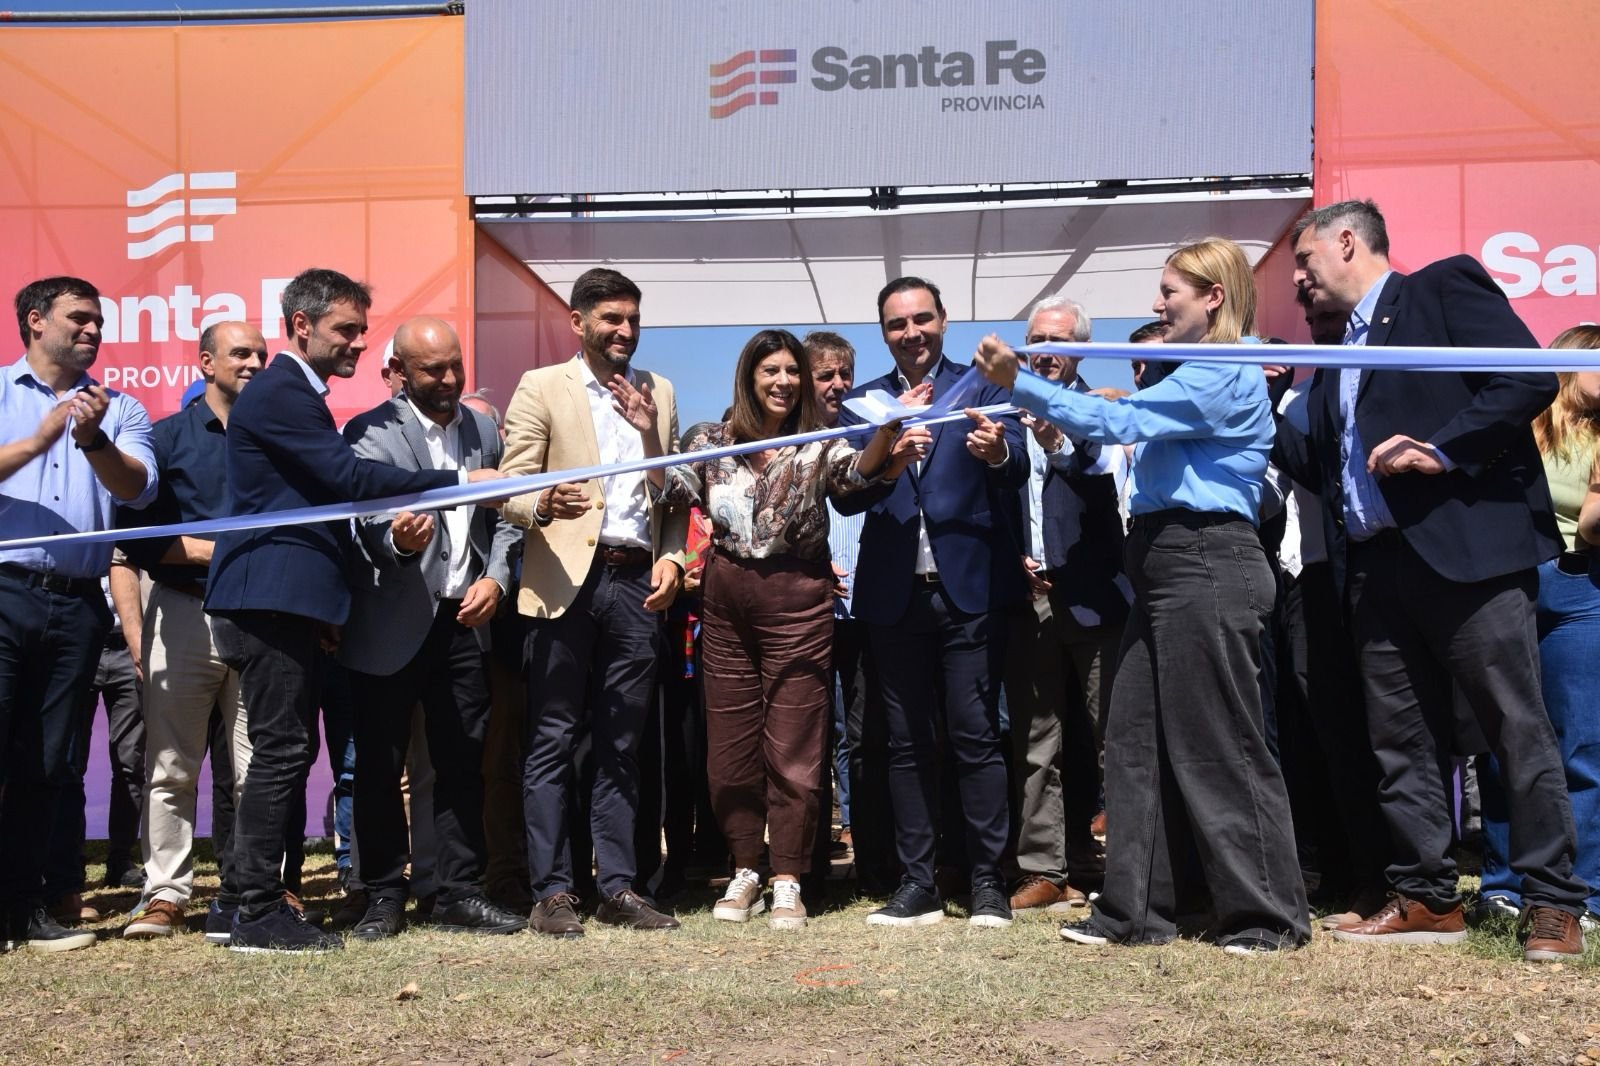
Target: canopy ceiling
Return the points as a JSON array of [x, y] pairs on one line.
[[991, 263]]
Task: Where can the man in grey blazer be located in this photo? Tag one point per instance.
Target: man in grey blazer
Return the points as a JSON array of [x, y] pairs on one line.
[[421, 601]]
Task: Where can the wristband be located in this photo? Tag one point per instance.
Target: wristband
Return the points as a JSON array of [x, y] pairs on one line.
[[100, 440]]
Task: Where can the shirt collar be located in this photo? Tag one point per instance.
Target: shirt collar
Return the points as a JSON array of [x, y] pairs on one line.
[[201, 412], [933, 372], [1363, 311], [427, 423], [593, 383], [20, 369], [311, 375]]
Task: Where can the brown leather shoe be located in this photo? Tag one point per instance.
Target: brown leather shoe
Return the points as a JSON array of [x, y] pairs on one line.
[[629, 910], [72, 910], [1071, 899], [1033, 892], [1364, 903], [1553, 936], [557, 915], [1406, 921], [1097, 826], [158, 918]]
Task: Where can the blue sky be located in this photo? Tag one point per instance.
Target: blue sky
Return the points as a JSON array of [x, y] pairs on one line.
[[699, 360]]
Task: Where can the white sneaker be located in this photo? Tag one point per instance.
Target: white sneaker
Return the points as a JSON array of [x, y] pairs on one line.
[[742, 900], [787, 910]]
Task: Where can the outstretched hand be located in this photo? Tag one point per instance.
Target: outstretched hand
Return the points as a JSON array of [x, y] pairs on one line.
[[996, 361], [987, 440]]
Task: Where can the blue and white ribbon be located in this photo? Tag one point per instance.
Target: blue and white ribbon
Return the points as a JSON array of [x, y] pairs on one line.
[[1476, 360], [478, 492]]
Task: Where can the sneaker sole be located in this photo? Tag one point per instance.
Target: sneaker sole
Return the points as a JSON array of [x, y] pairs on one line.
[[1400, 938], [738, 914], [989, 921], [931, 918], [245, 950], [1072, 936], [788, 924], [147, 932], [1236, 949], [220, 939], [66, 943]]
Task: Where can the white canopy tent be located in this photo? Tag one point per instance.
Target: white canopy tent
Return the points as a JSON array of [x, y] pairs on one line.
[[990, 262]]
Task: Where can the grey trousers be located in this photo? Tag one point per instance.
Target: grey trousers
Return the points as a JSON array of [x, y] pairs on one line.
[[1187, 764], [1058, 687]]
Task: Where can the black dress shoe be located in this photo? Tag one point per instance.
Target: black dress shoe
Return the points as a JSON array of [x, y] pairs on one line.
[[476, 915], [385, 917], [631, 911]]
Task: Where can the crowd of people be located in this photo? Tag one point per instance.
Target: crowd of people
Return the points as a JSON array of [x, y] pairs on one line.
[[1204, 659]]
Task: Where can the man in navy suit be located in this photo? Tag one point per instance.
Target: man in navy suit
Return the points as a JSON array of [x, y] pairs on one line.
[[1437, 513], [938, 564], [279, 592]]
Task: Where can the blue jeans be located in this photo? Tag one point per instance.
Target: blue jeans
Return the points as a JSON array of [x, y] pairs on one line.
[[1569, 659]]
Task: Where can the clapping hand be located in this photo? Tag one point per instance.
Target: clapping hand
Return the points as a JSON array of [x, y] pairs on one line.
[[637, 406]]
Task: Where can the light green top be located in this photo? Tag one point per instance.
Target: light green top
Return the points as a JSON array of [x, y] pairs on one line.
[[1569, 483]]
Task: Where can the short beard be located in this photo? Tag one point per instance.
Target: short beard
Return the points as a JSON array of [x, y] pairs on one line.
[[70, 359]]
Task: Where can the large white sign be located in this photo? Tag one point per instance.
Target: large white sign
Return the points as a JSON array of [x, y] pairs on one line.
[[626, 96]]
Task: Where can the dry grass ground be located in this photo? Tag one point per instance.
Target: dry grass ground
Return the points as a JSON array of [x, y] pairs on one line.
[[839, 992]]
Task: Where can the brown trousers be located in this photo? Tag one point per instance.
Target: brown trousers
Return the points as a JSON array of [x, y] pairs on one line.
[[766, 642]]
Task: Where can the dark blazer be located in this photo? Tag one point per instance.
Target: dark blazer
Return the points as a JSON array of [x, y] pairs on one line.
[[1079, 510], [283, 451], [395, 596], [971, 510], [1489, 516]]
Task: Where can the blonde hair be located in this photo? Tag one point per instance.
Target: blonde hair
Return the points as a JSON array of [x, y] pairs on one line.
[[1567, 425], [1218, 261]]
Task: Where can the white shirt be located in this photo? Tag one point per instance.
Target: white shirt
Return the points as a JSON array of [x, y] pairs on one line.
[[444, 453], [1303, 539], [625, 522], [317, 383]]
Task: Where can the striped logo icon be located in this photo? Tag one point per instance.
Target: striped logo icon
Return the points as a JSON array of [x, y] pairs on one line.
[[750, 78], [168, 220]]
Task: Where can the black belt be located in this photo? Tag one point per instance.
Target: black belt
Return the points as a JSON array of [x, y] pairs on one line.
[[58, 583], [930, 578], [615, 557], [197, 589], [1182, 516]]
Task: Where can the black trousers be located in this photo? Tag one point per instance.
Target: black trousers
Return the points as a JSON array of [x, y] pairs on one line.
[[935, 647], [277, 656], [116, 683], [866, 726], [448, 675], [1328, 763], [690, 828], [1420, 639], [1187, 764], [596, 666], [50, 644]]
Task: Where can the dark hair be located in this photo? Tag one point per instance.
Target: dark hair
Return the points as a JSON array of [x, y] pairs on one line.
[[1150, 329], [1361, 216], [598, 285], [41, 296], [907, 284], [745, 416], [313, 291], [819, 341]]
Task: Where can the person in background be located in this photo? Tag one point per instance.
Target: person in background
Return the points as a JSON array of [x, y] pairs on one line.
[[1187, 763], [1061, 652], [1568, 619]]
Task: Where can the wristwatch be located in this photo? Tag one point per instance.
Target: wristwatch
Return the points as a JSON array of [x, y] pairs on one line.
[[100, 441]]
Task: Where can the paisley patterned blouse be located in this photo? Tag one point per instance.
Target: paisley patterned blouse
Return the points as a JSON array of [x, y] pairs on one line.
[[780, 511]]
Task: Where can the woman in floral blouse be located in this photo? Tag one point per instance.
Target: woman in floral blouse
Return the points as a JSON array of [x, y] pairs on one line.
[[767, 614]]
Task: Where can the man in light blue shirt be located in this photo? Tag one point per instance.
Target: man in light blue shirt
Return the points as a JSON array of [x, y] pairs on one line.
[[89, 451]]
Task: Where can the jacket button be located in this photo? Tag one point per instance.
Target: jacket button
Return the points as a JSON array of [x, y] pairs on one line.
[[590, 542], [444, 555], [598, 504]]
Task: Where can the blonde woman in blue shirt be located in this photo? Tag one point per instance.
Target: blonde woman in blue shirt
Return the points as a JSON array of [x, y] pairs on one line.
[[1187, 762]]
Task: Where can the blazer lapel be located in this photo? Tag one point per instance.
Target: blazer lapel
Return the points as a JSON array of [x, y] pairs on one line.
[[471, 443], [578, 399], [944, 378], [1383, 320], [411, 431]]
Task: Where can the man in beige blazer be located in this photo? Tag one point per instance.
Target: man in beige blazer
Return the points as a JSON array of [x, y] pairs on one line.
[[601, 560]]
